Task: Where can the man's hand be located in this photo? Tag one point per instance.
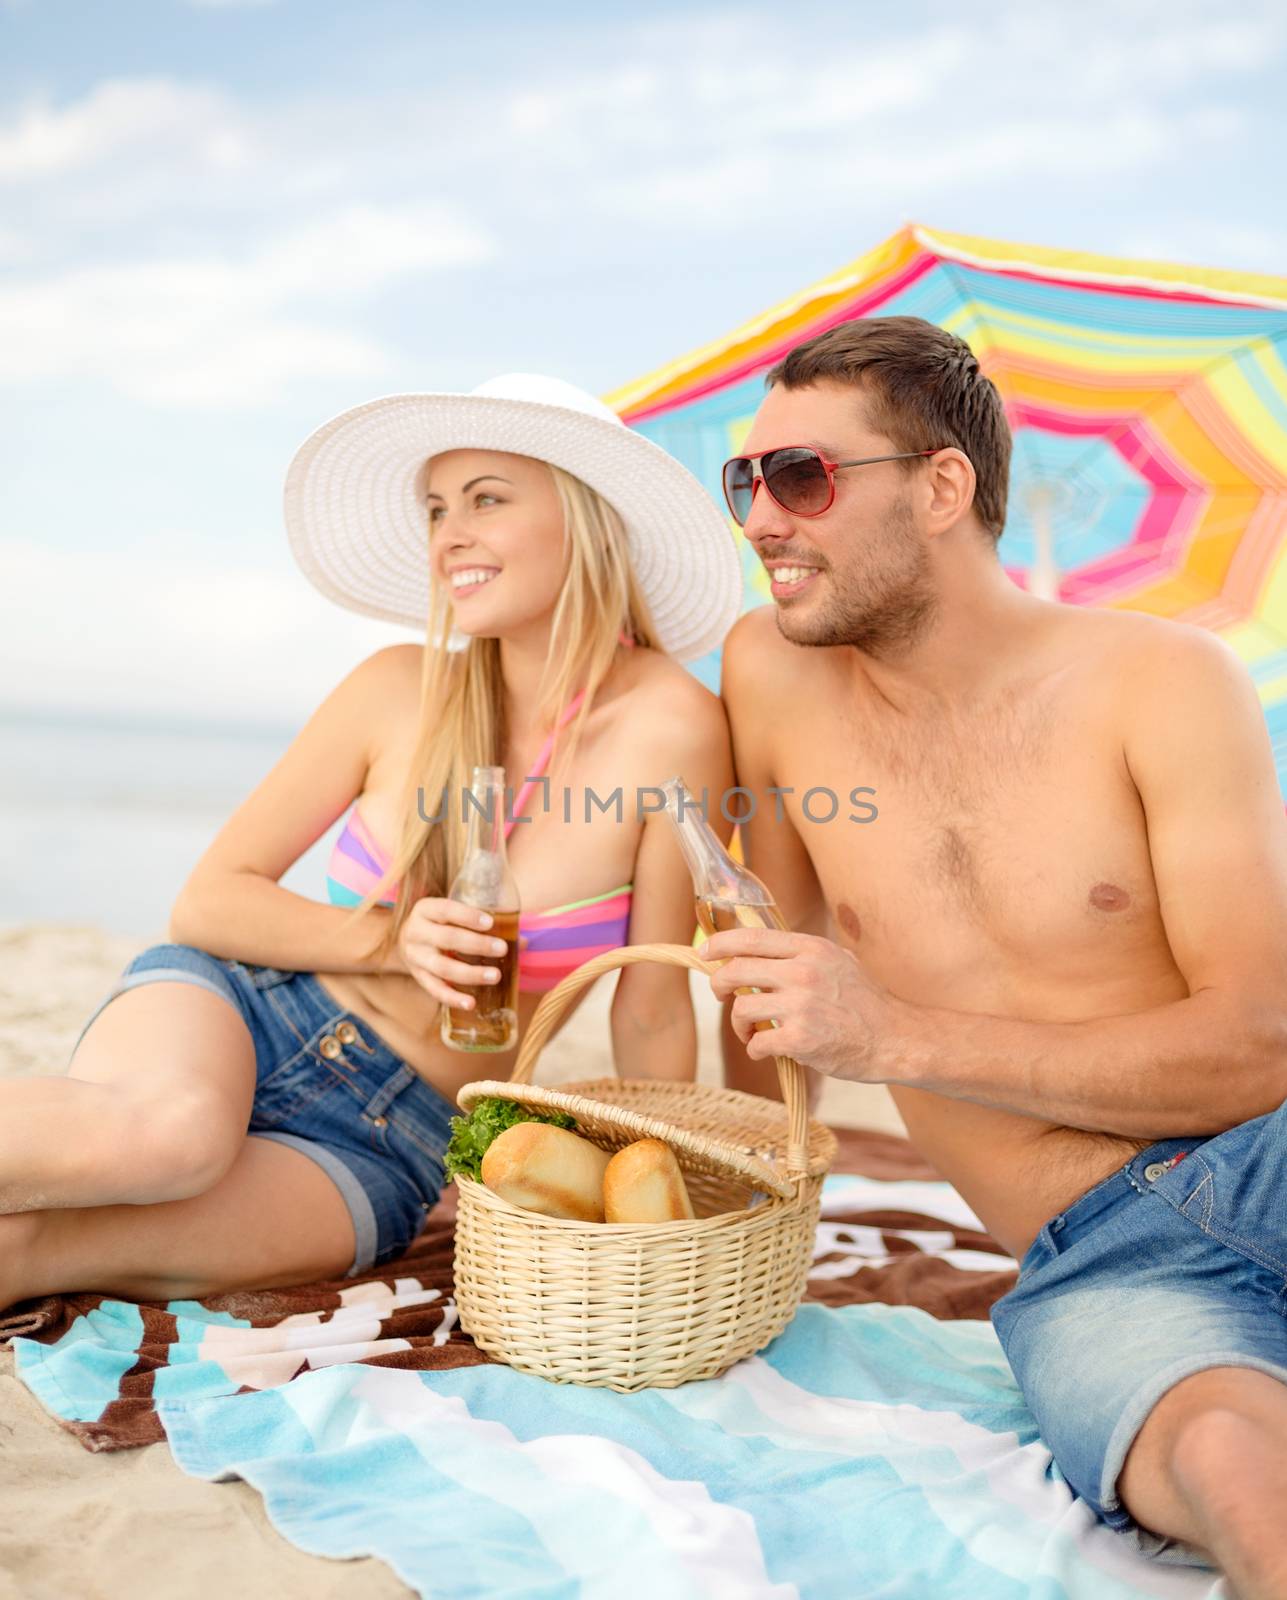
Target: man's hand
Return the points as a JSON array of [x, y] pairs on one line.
[[830, 1015]]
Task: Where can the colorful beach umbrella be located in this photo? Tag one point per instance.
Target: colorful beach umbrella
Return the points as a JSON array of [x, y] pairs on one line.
[[1149, 408]]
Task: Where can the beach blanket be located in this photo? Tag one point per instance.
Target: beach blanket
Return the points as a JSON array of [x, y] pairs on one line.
[[878, 1447]]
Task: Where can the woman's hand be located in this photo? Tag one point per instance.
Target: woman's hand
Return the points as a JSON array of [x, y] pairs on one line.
[[427, 940]]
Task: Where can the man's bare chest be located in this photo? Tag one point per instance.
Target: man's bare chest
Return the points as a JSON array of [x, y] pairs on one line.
[[972, 864]]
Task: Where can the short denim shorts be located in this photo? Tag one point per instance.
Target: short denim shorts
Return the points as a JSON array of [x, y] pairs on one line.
[[328, 1086], [1175, 1263]]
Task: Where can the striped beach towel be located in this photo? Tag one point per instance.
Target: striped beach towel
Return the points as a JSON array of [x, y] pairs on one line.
[[879, 1447]]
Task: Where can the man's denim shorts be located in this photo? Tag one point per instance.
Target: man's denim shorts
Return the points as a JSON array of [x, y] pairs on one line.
[[1175, 1263], [329, 1087]]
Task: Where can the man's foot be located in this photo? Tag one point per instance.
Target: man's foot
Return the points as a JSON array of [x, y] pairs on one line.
[[19, 1232]]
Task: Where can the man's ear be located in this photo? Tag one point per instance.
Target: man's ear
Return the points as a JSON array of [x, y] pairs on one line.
[[951, 487]]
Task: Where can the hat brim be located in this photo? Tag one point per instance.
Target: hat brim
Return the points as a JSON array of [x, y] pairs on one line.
[[360, 534]]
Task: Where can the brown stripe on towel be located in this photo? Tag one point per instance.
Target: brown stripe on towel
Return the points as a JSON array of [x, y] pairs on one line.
[[892, 1257]]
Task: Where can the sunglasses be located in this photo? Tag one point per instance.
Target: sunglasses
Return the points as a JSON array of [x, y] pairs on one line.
[[800, 479]]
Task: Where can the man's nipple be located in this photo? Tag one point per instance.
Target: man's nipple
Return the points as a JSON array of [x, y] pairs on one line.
[[1108, 897], [847, 920]]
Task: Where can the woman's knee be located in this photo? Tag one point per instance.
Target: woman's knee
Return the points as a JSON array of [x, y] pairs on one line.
[[179, 1065], [173, 1149]]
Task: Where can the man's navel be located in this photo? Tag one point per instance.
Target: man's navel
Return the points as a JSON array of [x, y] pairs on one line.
[[1108, 897]]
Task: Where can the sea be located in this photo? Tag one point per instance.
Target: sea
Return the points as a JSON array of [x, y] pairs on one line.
[[103, 818]]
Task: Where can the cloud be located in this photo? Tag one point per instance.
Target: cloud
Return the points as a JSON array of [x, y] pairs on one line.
[[365, 247], [156, 634], [15, 247], [224, 332], [717, 195], [1239, 245], [213, 283], [118, 117], [684, 137]]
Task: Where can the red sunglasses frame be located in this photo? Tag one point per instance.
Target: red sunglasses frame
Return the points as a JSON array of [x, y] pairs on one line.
[[830, 468]]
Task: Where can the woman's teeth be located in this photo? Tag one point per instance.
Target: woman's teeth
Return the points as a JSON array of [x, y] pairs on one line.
[[471, 577]]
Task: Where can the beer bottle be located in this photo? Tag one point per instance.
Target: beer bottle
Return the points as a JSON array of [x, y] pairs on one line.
[[726, 894], [485, 881]]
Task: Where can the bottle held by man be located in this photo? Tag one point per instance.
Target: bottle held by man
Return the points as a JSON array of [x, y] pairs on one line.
[[485, 881], [726, 893]]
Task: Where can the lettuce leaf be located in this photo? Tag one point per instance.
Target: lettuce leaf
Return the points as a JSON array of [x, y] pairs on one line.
[[471, 1135]]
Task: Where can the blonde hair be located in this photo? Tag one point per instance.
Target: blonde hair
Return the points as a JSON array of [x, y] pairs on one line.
[[462, 699]]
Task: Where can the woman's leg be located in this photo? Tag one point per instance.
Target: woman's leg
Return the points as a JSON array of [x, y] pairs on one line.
[[274, 1218], [154, 1107]]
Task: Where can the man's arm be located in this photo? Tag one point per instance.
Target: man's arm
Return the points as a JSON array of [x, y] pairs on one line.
[[771, 847], [1198, 752]]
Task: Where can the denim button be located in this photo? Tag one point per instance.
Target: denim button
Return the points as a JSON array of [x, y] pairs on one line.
[[1154, 1170], [330, 1047], [346, 1033]]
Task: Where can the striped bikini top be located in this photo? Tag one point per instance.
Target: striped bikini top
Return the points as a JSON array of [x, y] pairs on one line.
[[557, 940]]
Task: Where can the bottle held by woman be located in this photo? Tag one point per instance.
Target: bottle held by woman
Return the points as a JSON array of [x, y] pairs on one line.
[[485, 882]]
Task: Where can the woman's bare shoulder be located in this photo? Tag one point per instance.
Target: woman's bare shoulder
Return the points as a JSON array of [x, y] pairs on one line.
[[380, 698], [659, 681], [673, 716], [401, 662]]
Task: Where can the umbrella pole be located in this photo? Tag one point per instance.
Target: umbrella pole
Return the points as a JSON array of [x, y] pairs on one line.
[[1043, 575]]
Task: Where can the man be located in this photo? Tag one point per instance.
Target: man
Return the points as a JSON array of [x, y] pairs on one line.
[[1061, 942]]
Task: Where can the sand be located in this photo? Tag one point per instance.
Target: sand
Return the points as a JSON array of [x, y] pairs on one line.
[[130, 1523]]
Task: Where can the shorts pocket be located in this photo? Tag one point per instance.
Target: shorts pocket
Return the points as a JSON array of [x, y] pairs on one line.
[[290, 1089], [1239, 1214]]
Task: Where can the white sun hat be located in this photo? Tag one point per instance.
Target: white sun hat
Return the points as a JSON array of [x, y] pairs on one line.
[[361, 534]]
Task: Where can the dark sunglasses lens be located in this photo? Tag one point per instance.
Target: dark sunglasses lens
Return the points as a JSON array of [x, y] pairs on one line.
[[797, 480], [739, 487]]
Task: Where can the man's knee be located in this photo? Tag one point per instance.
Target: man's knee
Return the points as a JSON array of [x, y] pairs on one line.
[[1217, 1453], [1198, 1444]]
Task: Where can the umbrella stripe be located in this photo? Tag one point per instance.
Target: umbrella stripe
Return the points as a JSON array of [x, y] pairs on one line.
[[1148, 401]]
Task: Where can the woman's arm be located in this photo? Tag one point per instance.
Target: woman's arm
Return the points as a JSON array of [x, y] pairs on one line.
[[232, 904], [653, 1031]]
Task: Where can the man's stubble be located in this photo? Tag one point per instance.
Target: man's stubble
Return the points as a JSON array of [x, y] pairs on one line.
[[879, 600]]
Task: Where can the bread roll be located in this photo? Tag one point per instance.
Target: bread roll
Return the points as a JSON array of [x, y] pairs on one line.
[[643, 1183], [547, 1169]]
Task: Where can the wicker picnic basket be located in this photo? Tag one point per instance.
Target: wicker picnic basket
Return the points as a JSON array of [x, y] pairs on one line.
[[640, 1306]]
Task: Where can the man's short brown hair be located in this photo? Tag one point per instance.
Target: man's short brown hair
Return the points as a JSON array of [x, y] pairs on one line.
[[924, 390]]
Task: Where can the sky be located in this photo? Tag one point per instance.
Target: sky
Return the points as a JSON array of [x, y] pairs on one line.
[[224, 221]]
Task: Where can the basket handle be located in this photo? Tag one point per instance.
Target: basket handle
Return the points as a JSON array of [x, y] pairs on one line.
[[555, 1003]]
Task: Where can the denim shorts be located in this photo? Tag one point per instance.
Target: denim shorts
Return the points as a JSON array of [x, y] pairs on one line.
[[1175, 1263], [328, 1086]]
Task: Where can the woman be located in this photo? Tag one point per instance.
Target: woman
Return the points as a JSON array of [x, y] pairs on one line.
[[265, 1100]]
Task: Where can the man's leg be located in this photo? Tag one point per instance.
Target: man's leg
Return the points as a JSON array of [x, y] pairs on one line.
[[1209, 1467]]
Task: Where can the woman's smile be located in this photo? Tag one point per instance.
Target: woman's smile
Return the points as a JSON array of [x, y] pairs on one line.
[[469, 580]]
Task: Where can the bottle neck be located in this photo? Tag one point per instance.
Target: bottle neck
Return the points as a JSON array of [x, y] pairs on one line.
[[484, 878], [485, 817], [715, 874]]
